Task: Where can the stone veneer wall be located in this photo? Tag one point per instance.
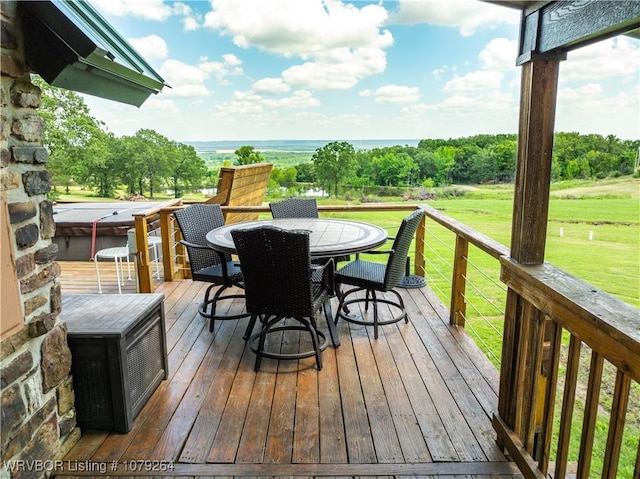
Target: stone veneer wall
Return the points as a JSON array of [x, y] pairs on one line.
[[37, 400]]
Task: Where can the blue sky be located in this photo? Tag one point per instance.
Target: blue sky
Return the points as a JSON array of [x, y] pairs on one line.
[[338, 70]]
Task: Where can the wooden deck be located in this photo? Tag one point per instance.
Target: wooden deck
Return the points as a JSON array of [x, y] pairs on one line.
[[416, 402]]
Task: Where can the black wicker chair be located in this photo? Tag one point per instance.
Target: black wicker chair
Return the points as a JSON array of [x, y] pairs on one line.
[[374, 277], [300, 208], [281, 283], [207, 265], [294, 208]]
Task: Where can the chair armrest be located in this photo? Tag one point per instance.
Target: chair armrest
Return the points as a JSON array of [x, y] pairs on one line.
[[328, 270], [193, 245], [375, 251], [221, 256]]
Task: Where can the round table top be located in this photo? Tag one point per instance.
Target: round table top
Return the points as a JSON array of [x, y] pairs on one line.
[[328, 237]]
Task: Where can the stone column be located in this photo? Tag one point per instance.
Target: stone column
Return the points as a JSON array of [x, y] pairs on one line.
[[38, 416]]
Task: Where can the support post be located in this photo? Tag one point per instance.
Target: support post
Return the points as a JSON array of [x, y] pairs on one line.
[[458, 308], [530, 213]]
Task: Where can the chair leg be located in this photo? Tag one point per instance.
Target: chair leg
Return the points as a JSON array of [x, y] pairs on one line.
[[118, 273], [250, 326], [374, 299], [95, 260], [128, 269], [401, 303], [331, 324], [266, 326]]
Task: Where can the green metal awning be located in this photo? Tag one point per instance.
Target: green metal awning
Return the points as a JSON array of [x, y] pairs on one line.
[[70, 45]]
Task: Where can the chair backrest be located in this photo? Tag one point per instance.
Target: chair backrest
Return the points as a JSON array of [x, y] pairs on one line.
[[276, 267], [294, 208], [396, 264], [195, 221]]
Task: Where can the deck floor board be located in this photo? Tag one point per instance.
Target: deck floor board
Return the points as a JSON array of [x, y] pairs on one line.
[[417, 401]]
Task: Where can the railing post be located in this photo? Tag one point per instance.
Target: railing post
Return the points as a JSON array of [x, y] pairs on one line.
[[145, 282], [458, 309], [171, 247], [167, 243]]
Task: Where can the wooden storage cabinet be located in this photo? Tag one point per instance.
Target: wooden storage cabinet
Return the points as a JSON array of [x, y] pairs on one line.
[[119, 355]]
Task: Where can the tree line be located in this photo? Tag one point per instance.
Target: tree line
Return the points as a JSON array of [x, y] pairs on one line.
[[83, 153]]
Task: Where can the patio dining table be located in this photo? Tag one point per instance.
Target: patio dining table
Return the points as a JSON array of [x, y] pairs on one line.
[[328, 237]]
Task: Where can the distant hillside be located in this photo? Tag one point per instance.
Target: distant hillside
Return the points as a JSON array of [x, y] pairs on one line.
[[302, 146]]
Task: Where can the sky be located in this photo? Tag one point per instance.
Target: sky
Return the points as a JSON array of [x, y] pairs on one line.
[[353, 70]]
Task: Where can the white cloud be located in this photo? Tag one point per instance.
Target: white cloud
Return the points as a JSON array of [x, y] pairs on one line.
[[466, 15], [155, 10], [616, 57], [339, 43], [231, 60], [161, 105], [478, 81], [178, 73], [397, 94], [299, 99], [190, 20], [187, 81], [341, 74], [230, 65], [270, 86], [578, 107], [499, 55], [147, 9], [152, 47]]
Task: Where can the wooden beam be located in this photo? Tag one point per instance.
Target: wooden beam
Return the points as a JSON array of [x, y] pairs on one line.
[[533, 173], [555, 28]]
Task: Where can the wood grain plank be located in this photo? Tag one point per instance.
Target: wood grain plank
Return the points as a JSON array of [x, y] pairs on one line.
[[385, 437], [177, 430], [333, 446], [280, 437], [256, 426], [433, 430], [306, 440], [198, 444], [227, 438], [461, 435], [360, 448], [412, 442]]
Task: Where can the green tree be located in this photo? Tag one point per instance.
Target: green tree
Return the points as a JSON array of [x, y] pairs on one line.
[[247, 156], [394, 169], [74, 139], [187, 169], [285, 177], [444, 159], [305, 173], [334, 162]]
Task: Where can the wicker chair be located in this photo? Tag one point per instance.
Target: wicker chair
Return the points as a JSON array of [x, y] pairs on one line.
[[281, 283], [207, 265], [377, 277], [300, 208], [294, 208]]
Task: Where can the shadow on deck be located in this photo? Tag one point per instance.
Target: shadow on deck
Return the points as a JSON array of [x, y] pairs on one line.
[[416, 402]]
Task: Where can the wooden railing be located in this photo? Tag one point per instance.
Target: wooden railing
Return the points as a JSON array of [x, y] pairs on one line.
[[174, 259], [554, 303], [142, 221], [546, 304]]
